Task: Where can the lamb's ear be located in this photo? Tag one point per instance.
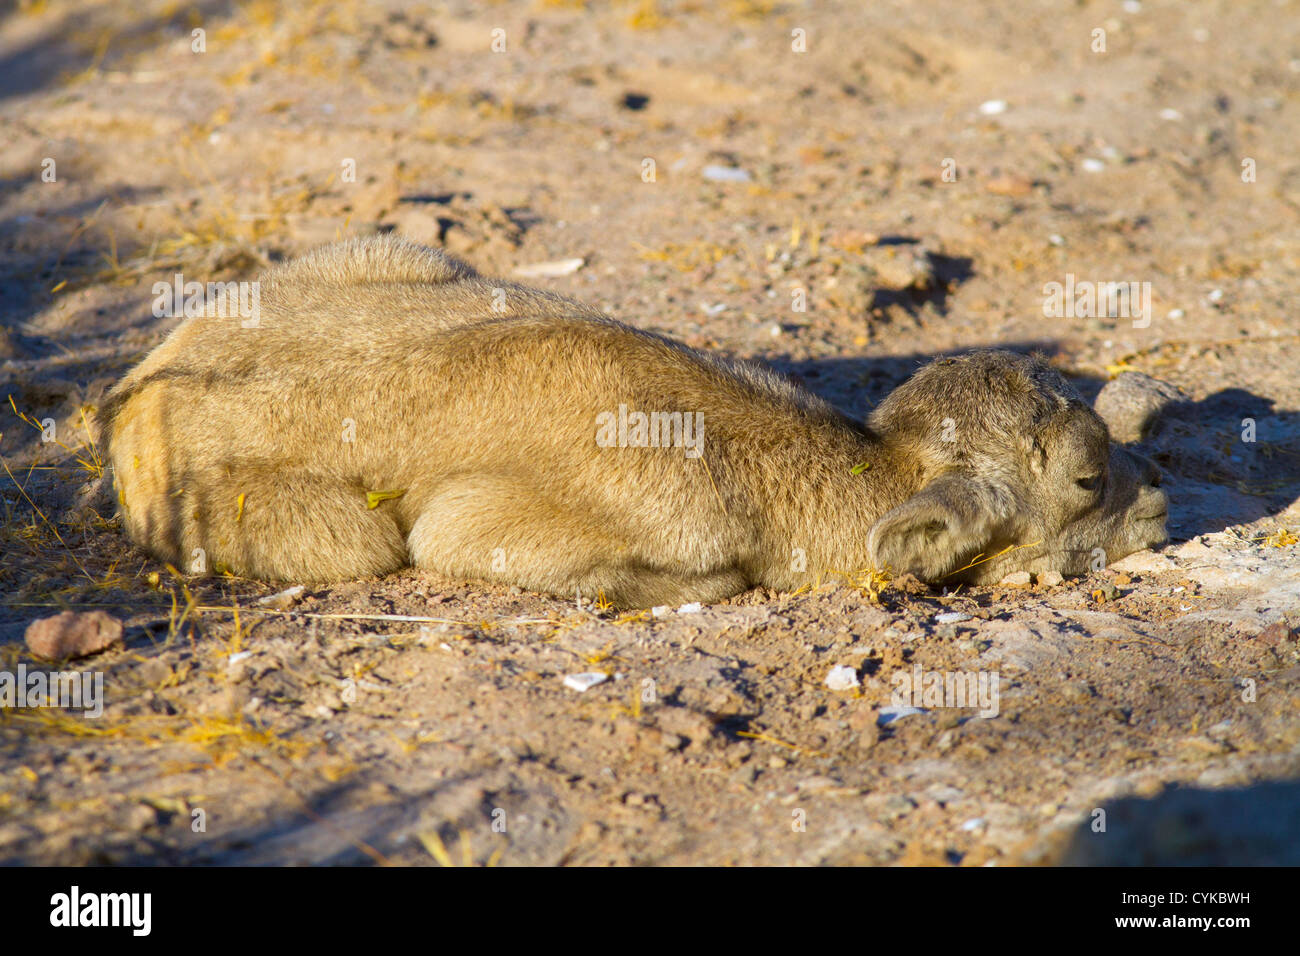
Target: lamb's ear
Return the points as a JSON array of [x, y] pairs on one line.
[[938, 530]]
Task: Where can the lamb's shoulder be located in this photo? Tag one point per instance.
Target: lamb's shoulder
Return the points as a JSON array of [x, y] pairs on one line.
[[386, 289], [373, 260]]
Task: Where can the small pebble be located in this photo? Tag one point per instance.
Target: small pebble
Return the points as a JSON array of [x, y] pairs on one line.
[[1019, 579], [842, 678], [951, 617], [1009, 186], [726, 174], [141, 817], [285, 599], [890, 714], [1219, 729], [898, 806], [584, 682], [1106, 592], [993, 107], [550, 270]]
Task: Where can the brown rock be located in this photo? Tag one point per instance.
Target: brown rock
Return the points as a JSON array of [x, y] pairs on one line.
[[909, 583], [863, 722], [73, 634], [853, 240], [868, 736], [420, 225], [370, 202], [900, 268], [1009, 186], [8, 345], [1106, 592], [1277, 634], [688, 724]]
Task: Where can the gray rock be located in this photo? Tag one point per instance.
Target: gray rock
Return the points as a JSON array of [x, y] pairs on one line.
[[1132, 402]]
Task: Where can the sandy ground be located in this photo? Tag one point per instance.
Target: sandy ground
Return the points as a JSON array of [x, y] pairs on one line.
[[919, 172]]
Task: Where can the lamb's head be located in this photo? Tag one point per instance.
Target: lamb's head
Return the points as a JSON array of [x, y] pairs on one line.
[[1011, 471]]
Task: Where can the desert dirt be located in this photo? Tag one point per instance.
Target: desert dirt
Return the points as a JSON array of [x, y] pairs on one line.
[[920, 171]]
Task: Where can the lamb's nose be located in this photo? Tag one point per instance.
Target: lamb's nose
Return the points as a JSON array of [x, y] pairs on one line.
[[1147, 469], [1152, 501]]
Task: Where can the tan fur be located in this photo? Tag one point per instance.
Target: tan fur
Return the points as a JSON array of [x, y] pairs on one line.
[[478, 399]]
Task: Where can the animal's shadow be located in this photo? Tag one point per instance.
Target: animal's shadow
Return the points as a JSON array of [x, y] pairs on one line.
[[1230, 458], [55, 51], [946, 272], [1258, 825]]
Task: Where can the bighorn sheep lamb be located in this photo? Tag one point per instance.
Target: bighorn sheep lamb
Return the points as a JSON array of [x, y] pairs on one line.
[[390, 407]]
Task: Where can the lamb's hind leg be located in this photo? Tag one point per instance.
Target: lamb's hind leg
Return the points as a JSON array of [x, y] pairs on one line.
[[495, 529], [269, 525]]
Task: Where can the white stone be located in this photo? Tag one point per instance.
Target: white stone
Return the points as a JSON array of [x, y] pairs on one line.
[[726, 174], [550, 270], [584, 682], [283, 599], [842, 678], [890, 714]]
